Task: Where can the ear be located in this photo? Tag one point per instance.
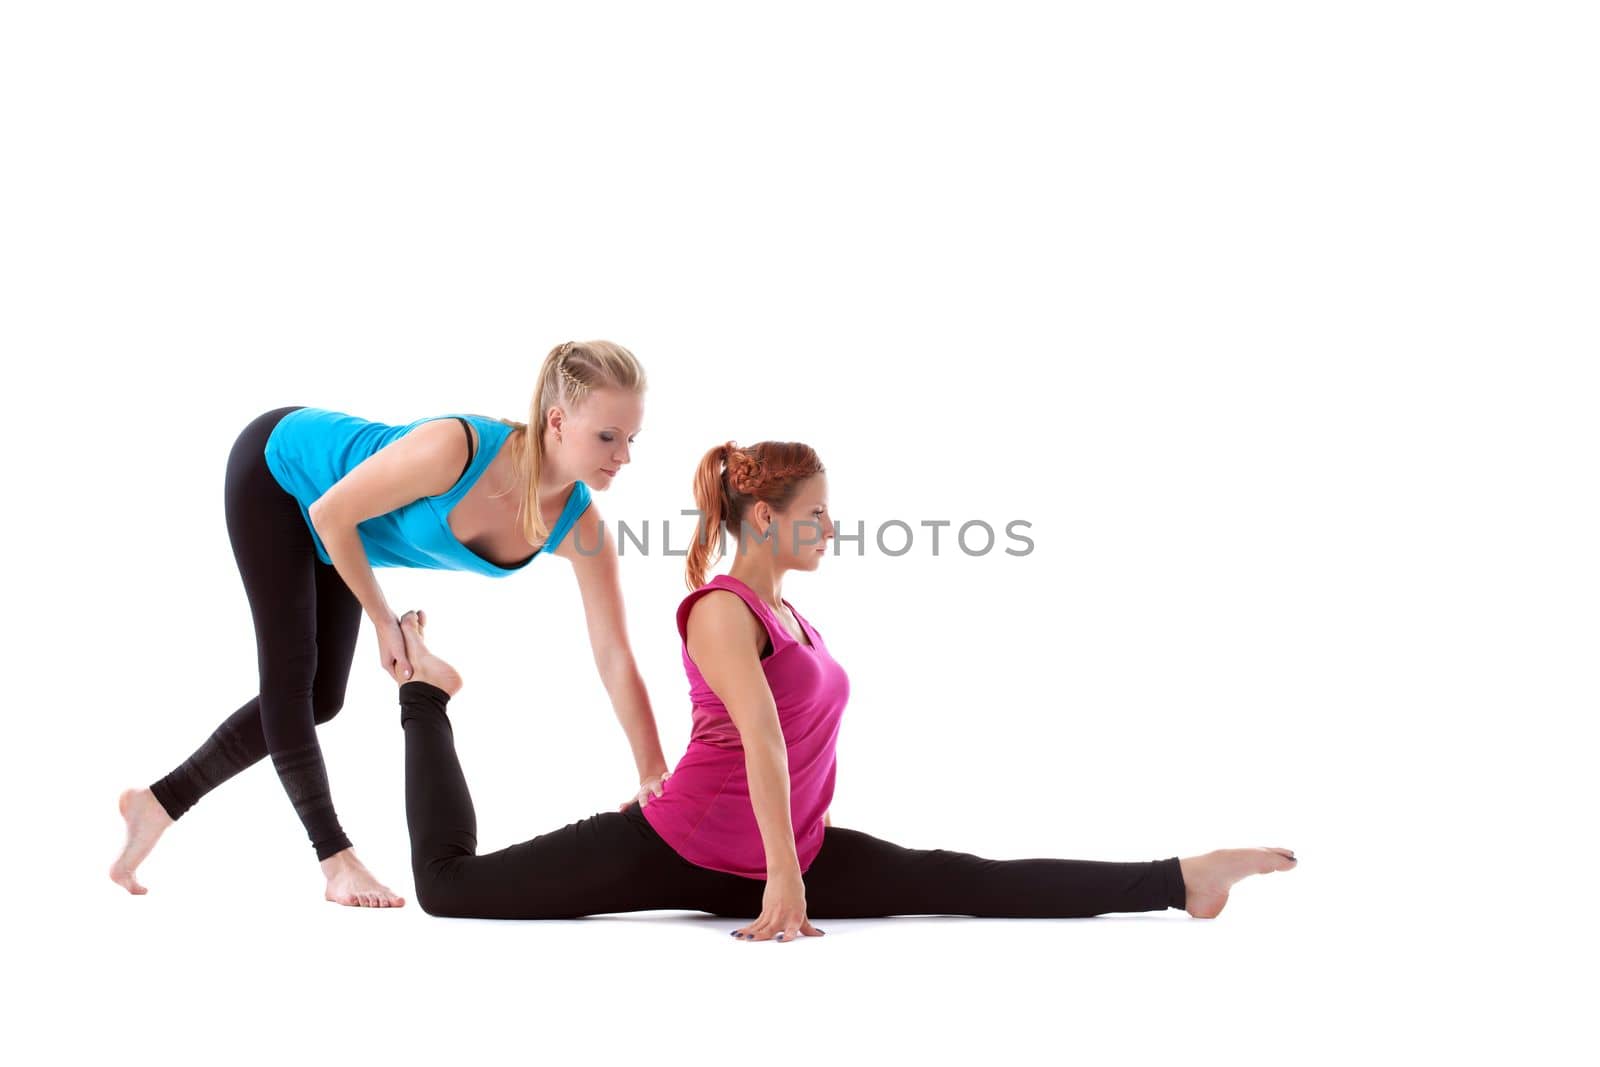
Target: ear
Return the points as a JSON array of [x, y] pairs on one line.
[[761, 516], [554, 418]]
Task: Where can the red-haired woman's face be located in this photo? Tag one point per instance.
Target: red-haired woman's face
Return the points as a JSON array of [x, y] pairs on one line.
[[799, 534]]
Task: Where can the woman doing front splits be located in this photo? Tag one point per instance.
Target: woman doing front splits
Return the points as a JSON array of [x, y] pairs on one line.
[[741, 826], [316, 499]]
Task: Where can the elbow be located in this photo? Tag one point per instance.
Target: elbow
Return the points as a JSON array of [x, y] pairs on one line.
[[323, 519], [615, 664]]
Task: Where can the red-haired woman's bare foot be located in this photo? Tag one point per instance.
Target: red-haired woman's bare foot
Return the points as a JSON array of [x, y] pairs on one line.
[[351, 884], [425, 666], [1207, 878], [147, 820]]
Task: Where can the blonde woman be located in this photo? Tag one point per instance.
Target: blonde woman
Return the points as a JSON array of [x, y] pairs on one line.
[[317, 499], [742, 827]]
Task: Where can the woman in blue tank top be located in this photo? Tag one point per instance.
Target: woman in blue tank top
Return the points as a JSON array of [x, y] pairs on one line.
[[316, 499]]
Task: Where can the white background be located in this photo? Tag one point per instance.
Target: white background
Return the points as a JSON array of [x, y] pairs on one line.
[[1276, 322]]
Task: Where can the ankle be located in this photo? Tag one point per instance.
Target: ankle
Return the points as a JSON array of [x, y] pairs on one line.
[[341, 861], [147, 799]]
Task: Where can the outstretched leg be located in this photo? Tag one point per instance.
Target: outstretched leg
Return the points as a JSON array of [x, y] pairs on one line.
[[856, 875]]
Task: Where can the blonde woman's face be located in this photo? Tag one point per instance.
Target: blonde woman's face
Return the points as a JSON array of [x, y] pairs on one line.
[[597, 439]]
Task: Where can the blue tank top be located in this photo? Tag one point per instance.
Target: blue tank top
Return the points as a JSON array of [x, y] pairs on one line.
[[312, 448]]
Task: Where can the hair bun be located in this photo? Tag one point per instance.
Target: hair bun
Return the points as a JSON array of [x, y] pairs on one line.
[[743, 470]]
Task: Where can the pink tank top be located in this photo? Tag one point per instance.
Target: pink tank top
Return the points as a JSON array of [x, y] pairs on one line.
[[704, 811]]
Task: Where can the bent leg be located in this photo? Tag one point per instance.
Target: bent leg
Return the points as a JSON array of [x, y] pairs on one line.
[[239, 742], [277, 562], [610, 862], [305, 635], [856, 875]]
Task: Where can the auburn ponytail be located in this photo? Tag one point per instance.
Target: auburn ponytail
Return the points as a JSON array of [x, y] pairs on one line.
[[711, 497]]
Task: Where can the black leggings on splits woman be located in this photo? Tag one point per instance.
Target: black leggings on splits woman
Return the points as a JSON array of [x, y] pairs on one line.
[[615, 862], [306, 622]]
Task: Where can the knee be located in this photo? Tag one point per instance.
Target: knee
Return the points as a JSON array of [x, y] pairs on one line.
[[433, 899], [324, 706], [435, 892], [431, 904]]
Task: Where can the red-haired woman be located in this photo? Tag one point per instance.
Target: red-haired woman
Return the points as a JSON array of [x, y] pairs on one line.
[[316, 499], [741, 828]]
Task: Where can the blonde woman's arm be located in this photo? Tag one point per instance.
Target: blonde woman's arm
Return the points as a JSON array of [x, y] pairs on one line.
[[425, 462], [594, 561]]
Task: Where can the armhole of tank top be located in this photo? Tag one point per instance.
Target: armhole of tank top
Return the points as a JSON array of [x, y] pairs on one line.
[[768, 648], [472, 450]]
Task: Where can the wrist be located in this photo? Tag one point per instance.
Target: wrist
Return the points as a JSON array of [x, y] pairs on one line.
[[789, 867]]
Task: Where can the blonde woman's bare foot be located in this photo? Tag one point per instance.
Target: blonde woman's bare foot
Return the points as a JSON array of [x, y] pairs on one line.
[[1207, 878], [351, 884], [425, 666], [147, 820]]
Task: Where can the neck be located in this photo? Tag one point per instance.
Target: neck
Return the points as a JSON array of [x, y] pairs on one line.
[[757, 570], [552, 482], [553, 478]]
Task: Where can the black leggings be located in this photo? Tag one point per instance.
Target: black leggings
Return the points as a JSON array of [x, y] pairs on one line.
[[306, 622], [615, 862]]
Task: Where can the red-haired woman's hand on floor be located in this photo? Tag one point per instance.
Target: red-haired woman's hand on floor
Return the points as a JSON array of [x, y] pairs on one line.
[[783, 912]]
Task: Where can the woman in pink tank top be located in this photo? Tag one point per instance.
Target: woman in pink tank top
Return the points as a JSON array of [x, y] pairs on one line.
[[741, 826]]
